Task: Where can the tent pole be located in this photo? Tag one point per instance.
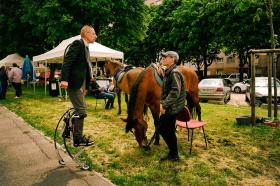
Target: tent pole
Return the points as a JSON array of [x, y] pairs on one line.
[[96, 67], [46, 77], [34, 78]]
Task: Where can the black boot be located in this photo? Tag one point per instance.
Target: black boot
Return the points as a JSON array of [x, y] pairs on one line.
[[108, 104], [112, 104], [78, 124]]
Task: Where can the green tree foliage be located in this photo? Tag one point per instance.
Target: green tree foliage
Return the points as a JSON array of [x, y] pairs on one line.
[[158, 38], [244, 26], [199, 29], [45, 23], [195, 32], [14, 34]]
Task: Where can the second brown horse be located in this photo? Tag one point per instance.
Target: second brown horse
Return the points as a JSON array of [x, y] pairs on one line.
[[123, 79]]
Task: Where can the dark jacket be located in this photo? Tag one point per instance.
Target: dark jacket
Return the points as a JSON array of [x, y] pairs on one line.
[[94, 88], [173, 91], [75, 68]]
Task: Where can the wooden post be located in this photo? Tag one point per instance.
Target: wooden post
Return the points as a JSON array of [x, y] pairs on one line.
[[269, 85], [273, 63], [275, 87], [252, 90]]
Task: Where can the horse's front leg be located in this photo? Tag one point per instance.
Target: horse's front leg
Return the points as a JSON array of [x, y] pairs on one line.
[[156, 123], [119, 100]]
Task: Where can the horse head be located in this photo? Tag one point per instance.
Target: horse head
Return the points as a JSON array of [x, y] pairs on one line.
[[111, 67], [140, 127], [107, 68]]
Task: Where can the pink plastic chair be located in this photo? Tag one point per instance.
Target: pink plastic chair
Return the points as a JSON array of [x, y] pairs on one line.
[[183, 119]]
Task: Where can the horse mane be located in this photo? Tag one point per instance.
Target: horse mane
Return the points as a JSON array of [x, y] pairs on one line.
[[116, 64], [133, 94]]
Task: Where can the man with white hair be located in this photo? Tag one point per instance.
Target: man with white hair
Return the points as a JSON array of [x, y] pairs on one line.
[[76, 74]]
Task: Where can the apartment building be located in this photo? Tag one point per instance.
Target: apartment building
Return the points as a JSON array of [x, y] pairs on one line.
[[228, 64], [225, 64]]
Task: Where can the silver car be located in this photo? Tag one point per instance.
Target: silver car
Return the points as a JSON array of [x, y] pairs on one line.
[[240, 86], [261, 89], [214, 89], [234, 77]]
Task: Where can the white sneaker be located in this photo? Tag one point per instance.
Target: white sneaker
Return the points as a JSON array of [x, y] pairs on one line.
[[16, 97]]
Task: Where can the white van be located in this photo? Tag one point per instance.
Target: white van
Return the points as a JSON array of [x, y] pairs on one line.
[[234, 77]]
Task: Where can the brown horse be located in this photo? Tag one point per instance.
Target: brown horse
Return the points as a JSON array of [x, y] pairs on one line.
[[147, 90], [124, 77]]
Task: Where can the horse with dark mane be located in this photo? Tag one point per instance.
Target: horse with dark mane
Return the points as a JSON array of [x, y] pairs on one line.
[[124, 77], [147, 91]]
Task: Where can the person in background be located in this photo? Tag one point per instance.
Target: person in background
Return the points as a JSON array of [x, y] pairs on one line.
[[15, 75], [76, 74], [103, 92], [172, 102], [3, 82]]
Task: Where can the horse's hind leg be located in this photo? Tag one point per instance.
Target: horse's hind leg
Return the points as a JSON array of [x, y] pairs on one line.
[[126, 98], [194, 103], [190, 105], [198, 111]]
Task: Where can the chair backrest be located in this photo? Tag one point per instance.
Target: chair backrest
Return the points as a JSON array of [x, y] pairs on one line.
[[184, 115], [103, 83]]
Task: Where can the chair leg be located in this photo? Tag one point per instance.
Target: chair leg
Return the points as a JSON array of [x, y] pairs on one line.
[[95, 103], [204, 136], [191, 142], [188, 134]]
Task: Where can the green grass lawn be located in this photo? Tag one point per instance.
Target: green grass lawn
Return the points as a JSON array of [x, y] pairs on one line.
[[236, 155]]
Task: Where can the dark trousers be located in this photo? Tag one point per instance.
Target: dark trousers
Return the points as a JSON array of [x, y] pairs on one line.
[[167, 130], [17, 87], [3, 89], [77, 99], [110, 96]]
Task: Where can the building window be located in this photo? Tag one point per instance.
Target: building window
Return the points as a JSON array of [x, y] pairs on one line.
[[230, 59], [220, 60], [220, 73]]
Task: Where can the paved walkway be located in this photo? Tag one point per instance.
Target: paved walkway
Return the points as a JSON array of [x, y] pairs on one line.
[[29, 158], [238, 100]]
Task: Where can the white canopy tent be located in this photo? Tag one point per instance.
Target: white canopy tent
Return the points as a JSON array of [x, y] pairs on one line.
[[98, 52], [10, 59]]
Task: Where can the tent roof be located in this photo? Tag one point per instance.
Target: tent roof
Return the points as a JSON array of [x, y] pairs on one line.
[[10, 59], [97, 52]]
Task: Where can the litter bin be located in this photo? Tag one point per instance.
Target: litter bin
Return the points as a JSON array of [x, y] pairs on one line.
[[53, 88]]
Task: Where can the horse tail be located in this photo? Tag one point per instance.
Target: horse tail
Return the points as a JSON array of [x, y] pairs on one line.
[[190, 105], [133, 94]]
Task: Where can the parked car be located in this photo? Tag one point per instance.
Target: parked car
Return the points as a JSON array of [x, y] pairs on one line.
[[214, 89], [261, 90], [240, 86], [234, 77], [229, 83]]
